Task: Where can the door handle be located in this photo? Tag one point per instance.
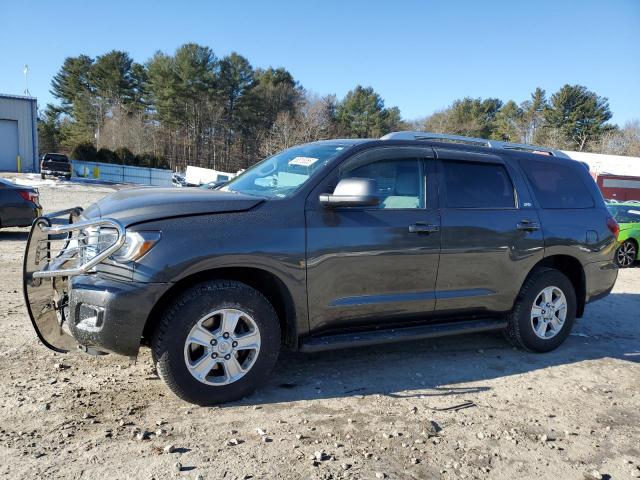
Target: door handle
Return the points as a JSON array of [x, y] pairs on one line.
[[528, 226], [423, 228]]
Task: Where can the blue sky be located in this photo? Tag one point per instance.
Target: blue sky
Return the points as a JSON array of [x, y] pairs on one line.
[[418, 55]]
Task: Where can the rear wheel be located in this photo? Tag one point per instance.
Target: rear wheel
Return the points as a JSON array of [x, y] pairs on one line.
[[217, 342], [544, 312], [626, 254]]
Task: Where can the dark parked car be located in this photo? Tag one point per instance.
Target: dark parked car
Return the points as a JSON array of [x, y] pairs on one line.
[[327, 245], [178, 180], [213, 185], [56, 164], [19, 205]]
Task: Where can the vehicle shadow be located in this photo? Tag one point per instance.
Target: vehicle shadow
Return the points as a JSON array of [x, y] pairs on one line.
[[442, 367], [14, 235]]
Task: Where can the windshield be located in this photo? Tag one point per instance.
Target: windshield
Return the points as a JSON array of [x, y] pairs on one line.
[[625, 214], [285, 172]]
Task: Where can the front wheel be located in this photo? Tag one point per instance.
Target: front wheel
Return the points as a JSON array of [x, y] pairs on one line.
[[543, 313], [626, 254], [217, 342]]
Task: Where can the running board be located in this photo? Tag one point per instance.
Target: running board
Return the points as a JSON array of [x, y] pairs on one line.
[[375, 337]]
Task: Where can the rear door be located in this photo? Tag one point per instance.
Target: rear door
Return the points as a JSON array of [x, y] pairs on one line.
[[375, 265], [571, 208], [491, 234]]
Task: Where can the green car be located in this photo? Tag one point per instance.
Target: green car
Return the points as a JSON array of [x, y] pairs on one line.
[[627, 214]]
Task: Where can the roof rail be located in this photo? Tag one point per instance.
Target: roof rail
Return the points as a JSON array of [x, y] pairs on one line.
[[483, 142]]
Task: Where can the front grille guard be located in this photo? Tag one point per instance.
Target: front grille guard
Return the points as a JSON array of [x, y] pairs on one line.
[[56, 250]]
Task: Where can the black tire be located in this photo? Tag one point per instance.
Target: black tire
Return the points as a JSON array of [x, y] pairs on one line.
[[67, 177], [520, 331], [43, 176], [626, 254], [169, 338]]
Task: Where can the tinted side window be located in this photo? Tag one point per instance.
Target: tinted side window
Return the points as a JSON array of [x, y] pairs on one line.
[[399, 182], [477, 185], [557, 186]]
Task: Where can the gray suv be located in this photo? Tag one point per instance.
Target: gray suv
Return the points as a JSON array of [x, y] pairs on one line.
[[326, 245]]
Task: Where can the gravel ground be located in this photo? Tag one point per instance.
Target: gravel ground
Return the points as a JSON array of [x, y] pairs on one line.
[[461, 407]]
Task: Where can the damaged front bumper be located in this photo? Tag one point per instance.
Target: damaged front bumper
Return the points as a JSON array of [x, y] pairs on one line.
[[108, 315], [55, 253]]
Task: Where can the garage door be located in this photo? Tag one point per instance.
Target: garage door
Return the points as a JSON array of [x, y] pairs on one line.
[[8, 145]]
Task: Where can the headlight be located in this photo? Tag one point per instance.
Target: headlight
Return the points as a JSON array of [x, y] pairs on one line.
[[92, 240], [136, 244]]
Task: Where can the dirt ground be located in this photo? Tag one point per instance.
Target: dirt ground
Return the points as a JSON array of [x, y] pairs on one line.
[[461, 407]]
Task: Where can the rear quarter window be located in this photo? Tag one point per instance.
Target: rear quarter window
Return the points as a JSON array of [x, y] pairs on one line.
[[557, 186]]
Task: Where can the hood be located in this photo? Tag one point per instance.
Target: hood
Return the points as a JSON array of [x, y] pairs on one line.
[[135, 205]]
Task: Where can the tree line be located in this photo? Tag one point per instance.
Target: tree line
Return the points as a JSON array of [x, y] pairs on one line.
[[195, 108], [573, 118]]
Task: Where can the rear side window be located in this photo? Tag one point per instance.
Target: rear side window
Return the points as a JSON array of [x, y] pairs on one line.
[[557, 186], [477, 185]]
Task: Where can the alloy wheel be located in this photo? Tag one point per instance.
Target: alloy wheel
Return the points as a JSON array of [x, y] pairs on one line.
[[548, 312], [222, 347], [626, 254]]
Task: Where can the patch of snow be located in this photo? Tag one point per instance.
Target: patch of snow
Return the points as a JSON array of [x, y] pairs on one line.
[[33, 181]]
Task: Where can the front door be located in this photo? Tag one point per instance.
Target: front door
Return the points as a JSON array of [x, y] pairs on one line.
[[375, 265], [491, 235]]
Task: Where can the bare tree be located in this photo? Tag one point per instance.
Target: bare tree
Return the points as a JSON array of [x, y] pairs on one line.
[[625, 141], [124, 129], [312, 121]]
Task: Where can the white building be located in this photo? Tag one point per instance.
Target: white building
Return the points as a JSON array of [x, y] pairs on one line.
[[617, 176], [18, 134], [609, 164]]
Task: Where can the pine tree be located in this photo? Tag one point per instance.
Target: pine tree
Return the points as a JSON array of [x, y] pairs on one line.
[[362, 114], [579, 115], [508, 124], [533, 116]]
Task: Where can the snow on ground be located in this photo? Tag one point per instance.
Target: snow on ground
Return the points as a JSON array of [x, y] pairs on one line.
[[33, 180]]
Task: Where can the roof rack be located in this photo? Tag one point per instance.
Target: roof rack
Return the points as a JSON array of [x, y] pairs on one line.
[[483, 142]]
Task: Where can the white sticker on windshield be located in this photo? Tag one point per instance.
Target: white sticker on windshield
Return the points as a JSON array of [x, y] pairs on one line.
[[303, 161], [635, 212]]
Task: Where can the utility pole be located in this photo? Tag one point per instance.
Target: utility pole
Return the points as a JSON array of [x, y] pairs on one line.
[[26, 80]]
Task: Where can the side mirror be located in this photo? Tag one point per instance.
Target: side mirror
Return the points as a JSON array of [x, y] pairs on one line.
[[352, 192]]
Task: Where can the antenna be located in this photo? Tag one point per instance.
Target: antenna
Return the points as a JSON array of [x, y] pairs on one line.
[[26, 80]]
